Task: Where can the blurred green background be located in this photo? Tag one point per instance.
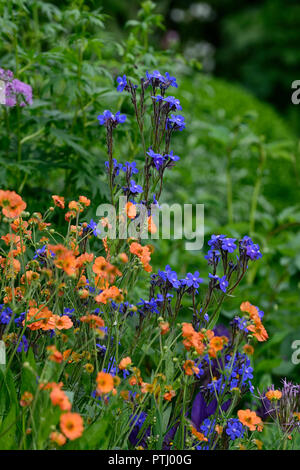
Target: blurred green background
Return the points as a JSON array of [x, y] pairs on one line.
[[234, 64]]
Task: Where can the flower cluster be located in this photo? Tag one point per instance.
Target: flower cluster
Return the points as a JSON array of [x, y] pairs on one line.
[[16, 92], [96, 357]]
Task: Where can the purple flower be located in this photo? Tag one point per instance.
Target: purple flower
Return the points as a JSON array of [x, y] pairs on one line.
[[136, 436], [201, 409], [16, 92], [122, 82]]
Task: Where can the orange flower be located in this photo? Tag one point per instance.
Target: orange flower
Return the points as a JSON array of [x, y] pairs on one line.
[[123, 257], [59, 398], [93, 321], [250, 419], [257, 328], [40, 318], [192, 339], [56, 356], [143, 253], [187, 330], [170, 393], [64, 258], [218, 429], [105, 270], [112, 293], [84, 259], [164, 327], [273, 395], [297, 415], [190, 368], [26, 399], [199, 435], [105, 382], [71, 425], [84, 201], [12, 204], [59, 201], [61, 323], [58, 438], [125, 362], [248, 349], [30, 276], [259, 444], [130, 210], [216, 344], [258, 331], [151, 225]]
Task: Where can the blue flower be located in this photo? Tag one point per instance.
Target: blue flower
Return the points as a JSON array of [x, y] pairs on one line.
[[108, 116], [252, 250], [192, 280], [93, 226], [122, 82], [170, 81], [5, 314], [172, 277], [215, 240], [246, 372], [212, 257], [241, 323], [116, 166], [157, 158], [176, 122], [40, 251], [135, 188], [223, 283], [130, 168], [172, 157], [155, 76], [69, 311], [234, 429], [173, 103], [148, 306], [228, 244], [23, 345]]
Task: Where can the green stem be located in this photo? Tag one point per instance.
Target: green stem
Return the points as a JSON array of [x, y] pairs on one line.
[[256, 190]]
